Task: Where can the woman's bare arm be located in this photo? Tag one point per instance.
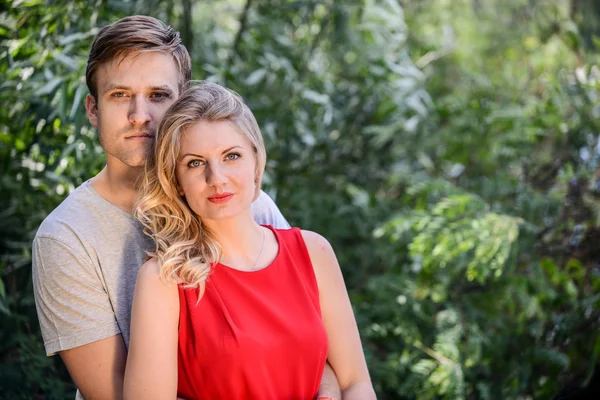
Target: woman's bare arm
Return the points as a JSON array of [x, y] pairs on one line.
[[151, 370], [346, 356]]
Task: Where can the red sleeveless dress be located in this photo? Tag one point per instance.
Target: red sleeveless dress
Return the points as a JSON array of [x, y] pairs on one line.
[[254, 335]]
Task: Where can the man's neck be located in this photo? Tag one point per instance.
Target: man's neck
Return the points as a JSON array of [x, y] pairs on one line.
[[118, 185]]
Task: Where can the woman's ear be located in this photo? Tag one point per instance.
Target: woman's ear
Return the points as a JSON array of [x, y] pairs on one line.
[[257, 180], [257, 176]]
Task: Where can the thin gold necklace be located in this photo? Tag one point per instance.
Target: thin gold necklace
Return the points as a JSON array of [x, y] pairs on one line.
[[261, 249]]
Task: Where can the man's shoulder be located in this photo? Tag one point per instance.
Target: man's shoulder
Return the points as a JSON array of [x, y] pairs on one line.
[[265, 212], [66, 216], [78, 215]]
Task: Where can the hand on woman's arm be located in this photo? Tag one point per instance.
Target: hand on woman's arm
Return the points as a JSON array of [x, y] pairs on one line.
[[329, 385], [151, 370], [346, 356]]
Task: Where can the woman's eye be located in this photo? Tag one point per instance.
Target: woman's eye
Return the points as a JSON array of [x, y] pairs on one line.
[[232, 156], [194, 163]]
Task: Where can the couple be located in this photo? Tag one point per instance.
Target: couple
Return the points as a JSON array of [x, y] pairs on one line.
[[225, 308]]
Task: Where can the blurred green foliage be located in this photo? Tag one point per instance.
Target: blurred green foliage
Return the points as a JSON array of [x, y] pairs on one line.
[[448, 149]]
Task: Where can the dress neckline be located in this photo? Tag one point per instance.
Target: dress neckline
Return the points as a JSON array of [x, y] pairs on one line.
[[256, 271]]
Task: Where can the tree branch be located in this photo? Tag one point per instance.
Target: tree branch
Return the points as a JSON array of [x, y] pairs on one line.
[[240, 32], [186, 25], [442, 359]]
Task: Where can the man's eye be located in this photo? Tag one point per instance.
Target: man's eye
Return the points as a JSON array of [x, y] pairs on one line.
[[194, 163], [160, 95], [118, 94], [232, 156]]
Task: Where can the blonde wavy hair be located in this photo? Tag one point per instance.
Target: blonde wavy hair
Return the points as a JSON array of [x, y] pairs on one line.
[[185, 248]]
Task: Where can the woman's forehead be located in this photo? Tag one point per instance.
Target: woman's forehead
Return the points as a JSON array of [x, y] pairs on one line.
[[212, 136]]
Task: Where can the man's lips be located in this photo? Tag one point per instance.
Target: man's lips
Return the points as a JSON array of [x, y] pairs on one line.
[[220, 198], [140, 135]]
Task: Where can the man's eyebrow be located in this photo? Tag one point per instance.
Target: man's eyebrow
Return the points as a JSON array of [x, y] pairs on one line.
[[198, 156], [163, 88], [116, 87]]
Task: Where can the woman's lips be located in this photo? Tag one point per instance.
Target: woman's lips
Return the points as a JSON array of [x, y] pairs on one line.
[[220, 198]]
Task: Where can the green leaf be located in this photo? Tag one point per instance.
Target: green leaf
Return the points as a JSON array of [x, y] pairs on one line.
[[256, 77], [77, 100], [49, 87]]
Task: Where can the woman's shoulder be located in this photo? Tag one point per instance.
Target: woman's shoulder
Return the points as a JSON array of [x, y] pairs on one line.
[[319, 248], [324, 262], [150, 269], [314, 240], [149, 276]]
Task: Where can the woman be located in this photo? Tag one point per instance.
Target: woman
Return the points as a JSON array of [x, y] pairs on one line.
[[226, 308]]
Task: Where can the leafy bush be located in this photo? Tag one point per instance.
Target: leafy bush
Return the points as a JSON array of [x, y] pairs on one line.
[[449, 151]]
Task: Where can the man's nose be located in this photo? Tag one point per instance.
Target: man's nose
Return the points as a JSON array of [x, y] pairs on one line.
[[139, 113]]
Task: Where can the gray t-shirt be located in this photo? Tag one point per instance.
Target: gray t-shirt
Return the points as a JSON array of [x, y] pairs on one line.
[[86, 255]]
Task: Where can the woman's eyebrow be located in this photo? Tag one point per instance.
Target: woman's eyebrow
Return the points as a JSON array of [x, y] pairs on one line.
[[199, 156], [229, 149], [189, 154]]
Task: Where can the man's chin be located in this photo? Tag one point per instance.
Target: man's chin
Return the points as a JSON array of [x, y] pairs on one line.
[[137, 161], [137, 165]]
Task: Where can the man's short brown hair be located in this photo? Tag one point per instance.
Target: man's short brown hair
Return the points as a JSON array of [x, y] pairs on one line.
[[136, 34]]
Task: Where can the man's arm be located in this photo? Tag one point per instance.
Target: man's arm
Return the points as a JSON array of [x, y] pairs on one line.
[[98, 368], [76, 317], [329, 384]]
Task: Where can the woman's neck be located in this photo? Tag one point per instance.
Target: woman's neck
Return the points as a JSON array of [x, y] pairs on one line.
[[241, 238]]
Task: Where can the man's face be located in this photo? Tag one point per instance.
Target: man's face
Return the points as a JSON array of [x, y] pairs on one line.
[[133, 95]]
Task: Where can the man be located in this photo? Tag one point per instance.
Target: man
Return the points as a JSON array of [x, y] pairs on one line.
[[87, 252]]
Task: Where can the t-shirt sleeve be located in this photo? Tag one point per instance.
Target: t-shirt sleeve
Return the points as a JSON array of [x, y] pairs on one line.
[[265, 212], [72, 304]]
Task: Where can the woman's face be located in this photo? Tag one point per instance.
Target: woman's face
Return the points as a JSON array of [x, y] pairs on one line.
[[216, 170]]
